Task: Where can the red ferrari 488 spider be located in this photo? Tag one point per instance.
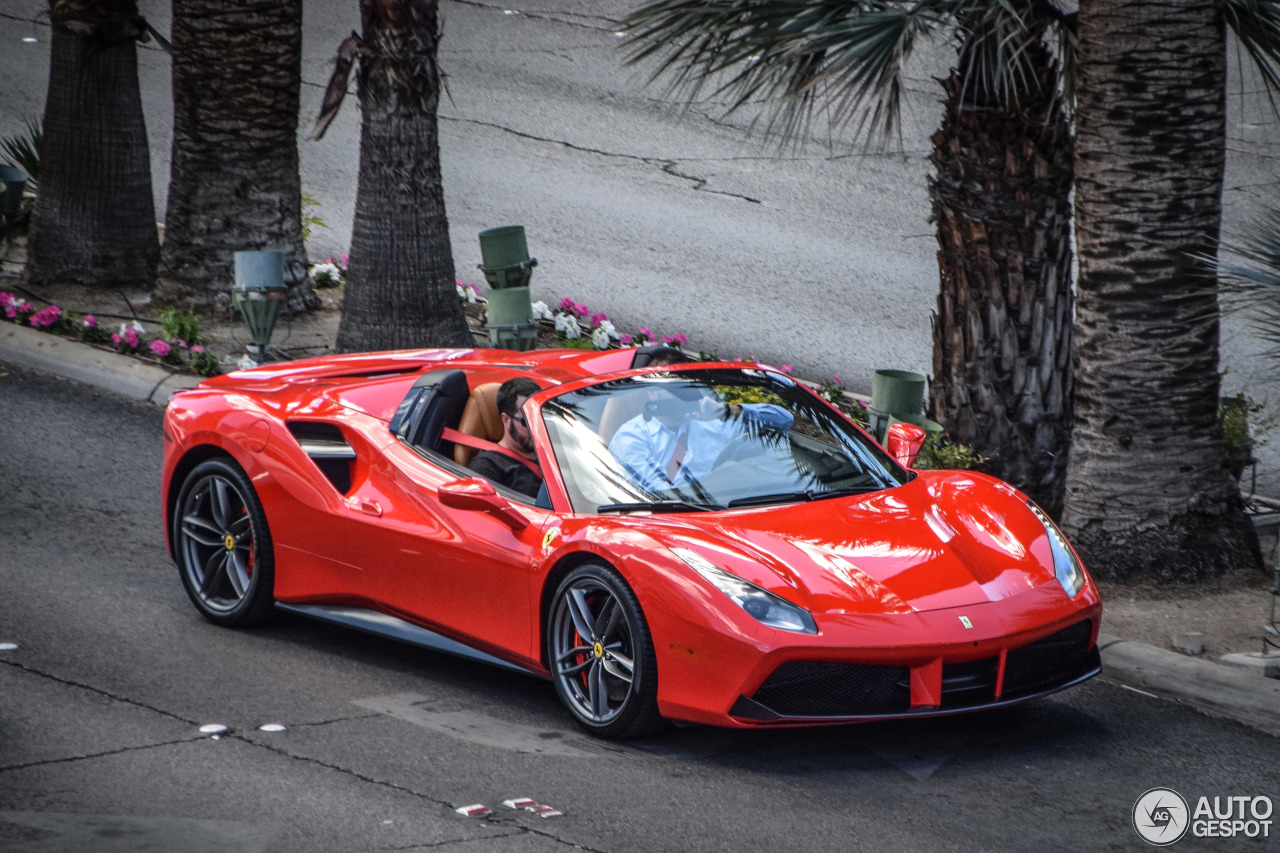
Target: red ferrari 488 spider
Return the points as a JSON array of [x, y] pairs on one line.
[[711, 543]]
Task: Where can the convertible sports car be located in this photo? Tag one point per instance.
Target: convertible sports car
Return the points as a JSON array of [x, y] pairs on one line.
[[767, 564]]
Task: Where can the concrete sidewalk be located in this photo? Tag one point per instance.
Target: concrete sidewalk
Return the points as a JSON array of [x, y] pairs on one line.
[[1212, 688]]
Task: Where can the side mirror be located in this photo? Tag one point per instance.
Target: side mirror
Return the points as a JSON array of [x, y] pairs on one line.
[[475, 493]]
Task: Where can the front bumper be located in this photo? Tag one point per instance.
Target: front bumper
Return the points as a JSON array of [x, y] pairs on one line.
[[874, 667]]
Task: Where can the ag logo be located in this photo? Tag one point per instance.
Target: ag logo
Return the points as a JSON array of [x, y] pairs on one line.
[[1161, 816]]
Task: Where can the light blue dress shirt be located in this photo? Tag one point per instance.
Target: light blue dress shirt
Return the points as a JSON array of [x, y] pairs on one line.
[[646, 446]]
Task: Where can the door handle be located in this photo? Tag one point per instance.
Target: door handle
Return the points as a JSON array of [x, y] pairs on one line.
[[368, 507]]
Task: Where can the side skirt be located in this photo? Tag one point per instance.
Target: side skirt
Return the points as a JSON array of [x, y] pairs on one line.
[[391, 627]]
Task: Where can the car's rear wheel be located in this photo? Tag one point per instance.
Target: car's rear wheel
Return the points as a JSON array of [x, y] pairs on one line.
[[601, 654], [222, 545]]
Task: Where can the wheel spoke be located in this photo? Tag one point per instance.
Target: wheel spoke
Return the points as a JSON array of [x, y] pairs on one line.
[[215, 566], [575, 668], [608, 620], [236, 573], [576, 650], [220, 500], [201, 531], [619, 666], [241, 528], [598, 691], [580, 613]]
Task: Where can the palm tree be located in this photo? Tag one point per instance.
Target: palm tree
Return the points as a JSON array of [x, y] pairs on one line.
[[1000, 193], [237, 68], [400, 286], [1148, 488], [1003, 379], [94, 220]]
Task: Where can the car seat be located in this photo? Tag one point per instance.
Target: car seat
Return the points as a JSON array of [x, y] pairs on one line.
[[480, 418]]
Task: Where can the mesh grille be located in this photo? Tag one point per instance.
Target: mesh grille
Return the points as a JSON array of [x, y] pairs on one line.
[[1056, 659], [336, 471], [969, 683], [817, 689]]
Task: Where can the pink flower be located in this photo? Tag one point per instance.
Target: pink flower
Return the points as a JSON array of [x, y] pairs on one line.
[[345, 262], [677, 338], [597, 319], [786, 368], [131, 338], [116, 340], [46, 317], [179, 342], [836, 379], [197, 348], [89, 321], [645, 332], [625, 340], [160, 348]]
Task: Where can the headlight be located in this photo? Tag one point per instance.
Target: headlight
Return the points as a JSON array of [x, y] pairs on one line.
[[760, 603], [1065, 565]]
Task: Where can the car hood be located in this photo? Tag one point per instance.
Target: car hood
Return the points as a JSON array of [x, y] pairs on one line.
[[946, 539]]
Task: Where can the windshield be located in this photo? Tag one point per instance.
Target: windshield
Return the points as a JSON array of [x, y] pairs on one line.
[[715, 438]]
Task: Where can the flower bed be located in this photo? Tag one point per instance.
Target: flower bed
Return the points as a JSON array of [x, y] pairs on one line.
[[131, 338]]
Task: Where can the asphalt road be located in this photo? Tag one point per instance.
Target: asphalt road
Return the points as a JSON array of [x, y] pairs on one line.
[[821, 256], [113, 673]]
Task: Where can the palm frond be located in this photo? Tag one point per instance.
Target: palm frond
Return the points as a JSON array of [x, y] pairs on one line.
[[1250, 278], [23, 150], [999, 42], [788, 57], [1256, 24]]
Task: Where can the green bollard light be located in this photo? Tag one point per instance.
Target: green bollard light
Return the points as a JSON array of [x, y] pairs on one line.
[[258, 293], [507, 267]]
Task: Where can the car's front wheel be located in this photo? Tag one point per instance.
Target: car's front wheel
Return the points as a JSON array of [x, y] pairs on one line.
[[222, 545], [601, 654]]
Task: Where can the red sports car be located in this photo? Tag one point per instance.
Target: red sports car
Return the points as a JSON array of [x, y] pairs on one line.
[[711, 543]]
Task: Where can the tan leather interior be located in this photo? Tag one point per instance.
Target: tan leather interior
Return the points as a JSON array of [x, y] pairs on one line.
[[620, 409], [479, 418]]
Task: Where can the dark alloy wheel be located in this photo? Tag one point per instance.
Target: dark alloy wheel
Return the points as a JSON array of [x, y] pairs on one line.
[[222, 545], [601, 655]]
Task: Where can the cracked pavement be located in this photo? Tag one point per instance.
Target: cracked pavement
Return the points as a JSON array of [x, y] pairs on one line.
[[664, 215]]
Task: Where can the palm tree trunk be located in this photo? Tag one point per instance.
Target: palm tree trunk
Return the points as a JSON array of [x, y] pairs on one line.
[[1002, 332], [94, 220], [234, 170], [400, 289], [1148, 492]]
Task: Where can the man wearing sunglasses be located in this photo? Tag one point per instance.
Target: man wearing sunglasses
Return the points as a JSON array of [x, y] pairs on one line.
[[503, 468]]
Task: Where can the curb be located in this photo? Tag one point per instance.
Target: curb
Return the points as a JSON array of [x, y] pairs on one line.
[[120, 374], [1215, 689]]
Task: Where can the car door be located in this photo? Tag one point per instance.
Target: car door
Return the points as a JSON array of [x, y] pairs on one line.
[[465, 572]]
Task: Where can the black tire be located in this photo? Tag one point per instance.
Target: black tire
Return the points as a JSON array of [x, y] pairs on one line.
[[222, 545], [601, 655]]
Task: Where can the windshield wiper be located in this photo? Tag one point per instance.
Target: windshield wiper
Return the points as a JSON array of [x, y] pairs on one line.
[[656, 506], [810, 495]]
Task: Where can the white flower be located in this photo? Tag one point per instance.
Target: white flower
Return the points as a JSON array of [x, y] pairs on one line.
[[606, 326], [246, 363], [600, 337], [325, 274], [567, 325], [466, 293], [541, 311]]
